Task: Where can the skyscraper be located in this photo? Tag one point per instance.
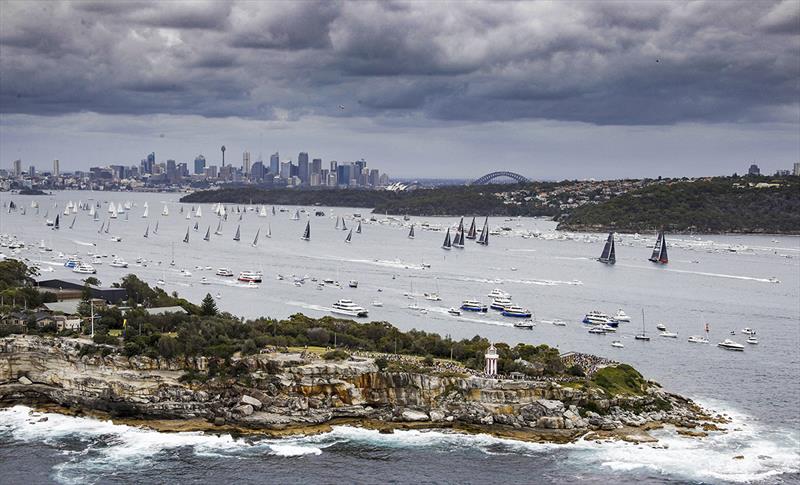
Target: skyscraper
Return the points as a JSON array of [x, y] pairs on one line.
[[334, 166], [246, 163], [797, 169], [199, 165], [17, 168], [56, 170], [316, 166], [275, 163], [172, 171], [302, 167], [754, 170], [286, 170]]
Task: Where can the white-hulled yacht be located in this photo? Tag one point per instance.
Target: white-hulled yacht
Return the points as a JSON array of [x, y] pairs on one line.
[[595, 317], [250, 276], [498, 293], [347, 307], [224, 272], [84, 268], [668, 334], [621, 316], [697, 339], [729, 344]]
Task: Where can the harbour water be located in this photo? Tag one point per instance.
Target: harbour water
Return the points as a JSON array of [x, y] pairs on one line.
[[726, 281]]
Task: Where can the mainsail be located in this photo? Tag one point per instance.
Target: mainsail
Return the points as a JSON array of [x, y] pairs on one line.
[[411, 232], [207, 237], [72, 224], [307, 233], [147, 231], [660, 250], [255, 241], [358, 229], [349, 236], [484, 237], [186, 237], [608, 255], [472, 233], [236, 237], [447, 244], [55, 225]]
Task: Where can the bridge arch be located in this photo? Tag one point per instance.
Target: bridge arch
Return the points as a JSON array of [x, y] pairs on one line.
[[494, 175]]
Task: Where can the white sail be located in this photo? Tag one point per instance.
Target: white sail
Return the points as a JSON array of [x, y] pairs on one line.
[[111, 207], [262, 212], [146, 210], [199, 212], [165, 210]]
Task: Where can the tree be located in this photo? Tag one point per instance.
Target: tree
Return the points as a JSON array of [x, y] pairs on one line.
[[92, 281], [209, 306]]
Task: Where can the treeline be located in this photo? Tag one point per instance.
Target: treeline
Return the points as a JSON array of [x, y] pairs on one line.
[[719, 205], [439, 201]]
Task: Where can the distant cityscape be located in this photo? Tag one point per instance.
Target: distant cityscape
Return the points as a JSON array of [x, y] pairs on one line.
[[169, 174]]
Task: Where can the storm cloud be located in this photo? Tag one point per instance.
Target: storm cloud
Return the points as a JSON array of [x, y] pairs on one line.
[[616, 63]]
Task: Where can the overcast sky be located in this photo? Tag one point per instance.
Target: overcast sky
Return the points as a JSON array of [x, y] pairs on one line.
[[429, 89]]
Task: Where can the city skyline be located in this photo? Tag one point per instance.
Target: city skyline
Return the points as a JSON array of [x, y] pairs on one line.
[[549, 90]]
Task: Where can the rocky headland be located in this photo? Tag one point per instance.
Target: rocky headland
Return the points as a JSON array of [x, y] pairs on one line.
[[286, 393]]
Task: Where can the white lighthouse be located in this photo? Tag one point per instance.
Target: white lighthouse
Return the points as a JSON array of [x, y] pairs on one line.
[[491, 361]]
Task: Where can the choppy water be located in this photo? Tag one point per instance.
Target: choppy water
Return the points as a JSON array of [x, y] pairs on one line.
[[555, 275]]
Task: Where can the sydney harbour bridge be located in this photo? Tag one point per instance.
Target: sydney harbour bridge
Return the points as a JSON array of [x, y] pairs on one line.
[[489, 177]]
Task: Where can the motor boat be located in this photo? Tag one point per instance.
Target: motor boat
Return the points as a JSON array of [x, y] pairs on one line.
[[617, 344], [661, 327], [729, 344], [697, 339], [353, 284], [621, 316], [186, 273], [473, 306], [374, 302], [597, 330], [748, 331], [347, 307], [516, 311], [251, 284], [224, 272], [250, 276], [752, 340], [97, 261], [204, 281], [454, 311], [500, 303], [599, 318], [559, 323], [525, 324], [118, 263], [84, 268], [432, 296], [642, 337], [498, 293], [608, 328], [116, 239], [667, 334]]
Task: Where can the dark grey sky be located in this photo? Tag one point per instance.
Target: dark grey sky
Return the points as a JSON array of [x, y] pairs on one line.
[[551, 90]]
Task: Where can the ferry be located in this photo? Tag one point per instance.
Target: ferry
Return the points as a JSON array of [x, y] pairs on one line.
[[498, 293], [729, 344], [72, 263], [347, 307], [84, 268], [500, 303], [473, 306], [516, 312], [250, 276]]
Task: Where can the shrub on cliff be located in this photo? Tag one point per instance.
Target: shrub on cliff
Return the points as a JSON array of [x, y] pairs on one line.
[[620, 379], [337, 354]]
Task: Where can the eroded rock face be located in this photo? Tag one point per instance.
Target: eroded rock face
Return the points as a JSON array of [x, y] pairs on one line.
[[280, 391]]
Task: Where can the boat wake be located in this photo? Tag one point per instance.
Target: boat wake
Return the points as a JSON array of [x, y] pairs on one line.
[[83, 243], [703, 273]]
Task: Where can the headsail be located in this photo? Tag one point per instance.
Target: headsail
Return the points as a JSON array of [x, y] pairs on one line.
[[484, 237], [472, 233], [659, 249]]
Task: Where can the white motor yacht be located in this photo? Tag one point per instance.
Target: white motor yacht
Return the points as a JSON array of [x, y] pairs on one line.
[[376, 303], [498, 293], [608, 328], [617, 344], [752, 340], [661, 327], [454, 311], [84, 268], [697, 339], [224, 272], [353, 284], [118, 263], [748, 331], [595, 317], [250, 276], [729, 344], [432, 296], [668, 334], [526, 324], [621, 316], [597, 330], [559, 323], [347, 307]]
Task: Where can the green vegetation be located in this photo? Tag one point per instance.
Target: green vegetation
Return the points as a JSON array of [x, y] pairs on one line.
[[620, 379], [16, 286], [728, 204], [440, 201]]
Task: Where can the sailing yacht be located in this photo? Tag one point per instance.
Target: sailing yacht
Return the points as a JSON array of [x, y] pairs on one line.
[[344, 226], [358, 229], [697, 339], [447, 244], [186, 237], [55, 224], [165, 210], [411, 232], [207, 237], [146, 211], [608, 255], [218, 232], [660, 250], [349, 236], [269, 230], [472, 233], [237, 236], [255, 240], [147, 231], [458, 241], [296, 216], [483, 239], [155, 229], [199, 212], [72, 224], [307, 233], [262, 212], [196, 225]]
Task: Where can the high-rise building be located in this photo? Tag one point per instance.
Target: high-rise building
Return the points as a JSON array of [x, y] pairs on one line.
[[286, 170], [32, 171], [17, 168], [199, 165], [343, 174], [172, 171], [316, 166], [246, 163], [323, 176], [334, 166], [258, 171], [796, 169], [56, 170], [151, 162], [302, 167], [211, 172], [754, 170], [374, 177], [275, 163]]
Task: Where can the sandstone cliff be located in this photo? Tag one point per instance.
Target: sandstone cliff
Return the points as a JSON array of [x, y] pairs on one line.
[[285, 391]]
